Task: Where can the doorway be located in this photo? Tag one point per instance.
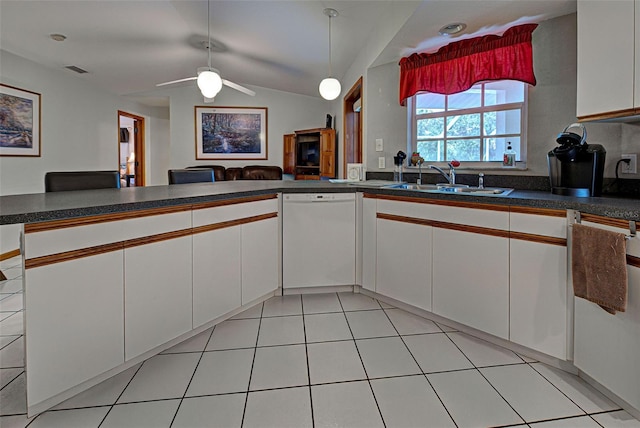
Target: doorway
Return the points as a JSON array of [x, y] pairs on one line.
[[352, 119], [131, 149]]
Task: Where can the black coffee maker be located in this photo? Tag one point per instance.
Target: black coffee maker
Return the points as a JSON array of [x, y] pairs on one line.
[[575, 167]]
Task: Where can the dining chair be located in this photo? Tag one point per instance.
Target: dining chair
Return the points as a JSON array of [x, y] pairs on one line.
[[81, 180], [192, 175]]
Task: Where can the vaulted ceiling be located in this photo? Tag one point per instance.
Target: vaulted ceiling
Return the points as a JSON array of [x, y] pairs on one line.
[[129, 46]]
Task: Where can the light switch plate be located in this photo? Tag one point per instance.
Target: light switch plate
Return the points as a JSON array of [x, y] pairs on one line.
[[379, 145], [381, 163]]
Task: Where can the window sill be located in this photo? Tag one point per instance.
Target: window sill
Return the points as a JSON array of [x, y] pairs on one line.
[[471, 166]]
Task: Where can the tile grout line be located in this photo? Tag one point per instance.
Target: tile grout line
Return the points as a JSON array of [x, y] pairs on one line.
[[361, 361], [554, 385], [184, 394], [418, 364], [306, 352], [120, 395], [253, 362]]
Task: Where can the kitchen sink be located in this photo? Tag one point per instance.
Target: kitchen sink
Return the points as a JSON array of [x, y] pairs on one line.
[[462, 189]]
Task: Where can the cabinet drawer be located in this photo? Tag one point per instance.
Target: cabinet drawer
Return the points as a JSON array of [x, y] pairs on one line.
[[544, 225], [202, 217], [58, 240]]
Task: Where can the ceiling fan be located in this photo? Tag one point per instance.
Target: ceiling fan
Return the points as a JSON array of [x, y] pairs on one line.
[[208, 78]]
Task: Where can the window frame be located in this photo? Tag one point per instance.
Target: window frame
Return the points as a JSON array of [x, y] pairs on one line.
[[413, 118]]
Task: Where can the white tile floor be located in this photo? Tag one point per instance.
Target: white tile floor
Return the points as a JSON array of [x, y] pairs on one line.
[[327, 360]]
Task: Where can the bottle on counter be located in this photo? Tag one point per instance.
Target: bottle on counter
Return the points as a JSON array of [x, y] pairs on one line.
[[509, 157]]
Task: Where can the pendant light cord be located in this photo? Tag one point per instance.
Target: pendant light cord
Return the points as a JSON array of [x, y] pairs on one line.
[[209, 33], [330, 69]]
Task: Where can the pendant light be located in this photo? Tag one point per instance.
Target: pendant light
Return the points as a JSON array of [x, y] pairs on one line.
[[209, 81], [330, 87]]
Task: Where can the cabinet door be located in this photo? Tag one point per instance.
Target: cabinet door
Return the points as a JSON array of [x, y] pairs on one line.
[[216, 274], [289, 150], [404, 262], [605, 56], [75, 322], [636, 94], [261, 259], [471, 279], [158, 293], [538, 300], [327, 153], [369, 238]]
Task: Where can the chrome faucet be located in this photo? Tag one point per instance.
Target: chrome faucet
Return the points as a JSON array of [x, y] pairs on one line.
[[420, 162], [451, 177]]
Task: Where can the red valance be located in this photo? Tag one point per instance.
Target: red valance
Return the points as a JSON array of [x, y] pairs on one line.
[[459, 65]]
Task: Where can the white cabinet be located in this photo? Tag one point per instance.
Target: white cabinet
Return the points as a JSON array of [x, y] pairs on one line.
[[471, 279], [404, 262], [260, 258], [216, 273], [369, 244], [74, 321], [539, 298], [606, 346], [158, 299], [606, 54]]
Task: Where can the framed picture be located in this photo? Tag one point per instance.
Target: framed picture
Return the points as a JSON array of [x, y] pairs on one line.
[[19, 122], [231, 133]]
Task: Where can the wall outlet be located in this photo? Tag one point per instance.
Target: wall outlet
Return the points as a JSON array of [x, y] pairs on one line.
[[379, 144], [632, 166], [381, 163]]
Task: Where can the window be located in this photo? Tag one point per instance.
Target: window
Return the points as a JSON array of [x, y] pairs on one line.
[[471, 126]]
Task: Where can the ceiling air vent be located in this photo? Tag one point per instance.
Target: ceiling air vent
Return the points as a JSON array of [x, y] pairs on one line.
[[76, 69]]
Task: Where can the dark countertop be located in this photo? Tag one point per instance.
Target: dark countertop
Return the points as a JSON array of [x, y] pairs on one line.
[[31, 208]]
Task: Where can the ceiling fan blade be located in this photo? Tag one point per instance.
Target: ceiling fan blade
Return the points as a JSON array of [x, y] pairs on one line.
[[186, 79], [238, 87]]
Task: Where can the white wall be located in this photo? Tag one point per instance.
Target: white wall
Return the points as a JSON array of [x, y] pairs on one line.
[[79, 125], [287, 113], [552, 104]]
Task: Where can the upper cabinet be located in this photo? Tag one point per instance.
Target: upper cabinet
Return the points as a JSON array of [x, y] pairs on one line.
[[608, 59]]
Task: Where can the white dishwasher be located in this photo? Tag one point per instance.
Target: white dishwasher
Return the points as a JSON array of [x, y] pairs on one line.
[[318, 239]]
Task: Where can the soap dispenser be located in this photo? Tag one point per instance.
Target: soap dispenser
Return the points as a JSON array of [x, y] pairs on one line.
[[509, 158]]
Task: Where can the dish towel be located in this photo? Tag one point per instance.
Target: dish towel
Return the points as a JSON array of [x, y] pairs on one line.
[[599, 267]]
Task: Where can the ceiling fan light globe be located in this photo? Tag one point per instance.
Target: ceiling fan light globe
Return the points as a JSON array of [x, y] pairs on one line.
[[330, 88], [209, 83]]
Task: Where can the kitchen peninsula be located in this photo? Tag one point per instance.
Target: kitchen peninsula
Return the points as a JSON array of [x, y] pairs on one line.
[[113, 277]]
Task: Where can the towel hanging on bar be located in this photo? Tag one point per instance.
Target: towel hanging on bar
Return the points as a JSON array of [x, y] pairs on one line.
[[599, 267]]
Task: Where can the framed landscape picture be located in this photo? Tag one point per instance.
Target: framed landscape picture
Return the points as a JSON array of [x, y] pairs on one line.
[[232, 133], [19, 122]]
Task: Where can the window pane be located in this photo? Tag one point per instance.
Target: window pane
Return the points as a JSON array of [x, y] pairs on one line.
[[507, 121], [463, 150], [503, 92], [495, 148], [467, 125], [429, 103], [431, 127], [431, 151], [471, 98]]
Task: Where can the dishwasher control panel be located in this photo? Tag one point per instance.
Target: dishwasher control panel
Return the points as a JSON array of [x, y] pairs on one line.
[[318, 197]]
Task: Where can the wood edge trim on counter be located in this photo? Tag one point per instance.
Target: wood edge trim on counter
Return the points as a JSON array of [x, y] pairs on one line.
[[444, 225], [129, 243], [607, 221], [404, 219], [542, 239], [9, 254], [102, 218], [213, 204], [231, 223], [633, 261], [609, 115], [474, 205], [72, 255], [549, 212]]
